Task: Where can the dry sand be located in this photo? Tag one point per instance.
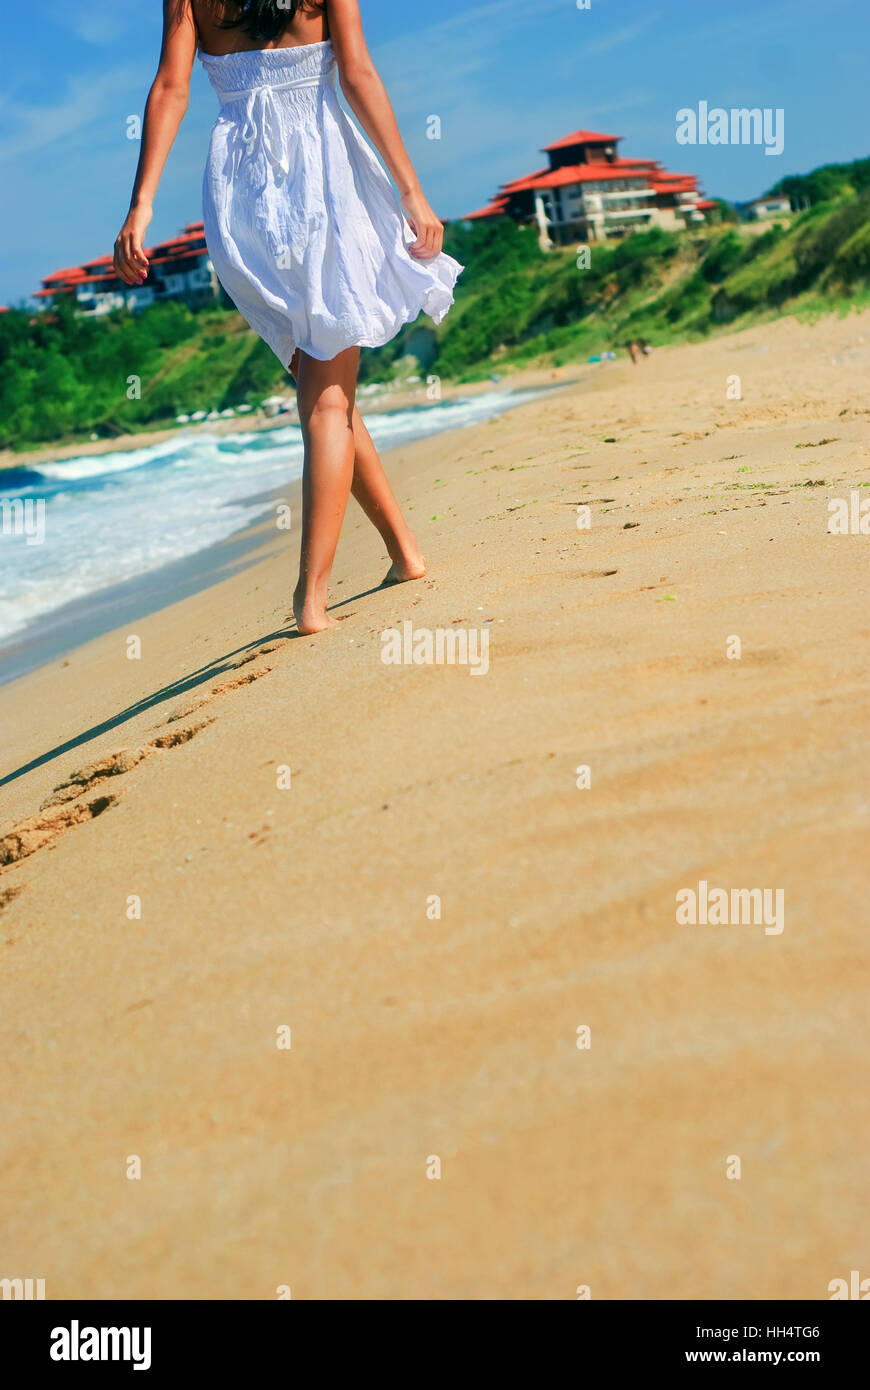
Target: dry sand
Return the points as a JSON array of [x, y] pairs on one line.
[[415, 1037]]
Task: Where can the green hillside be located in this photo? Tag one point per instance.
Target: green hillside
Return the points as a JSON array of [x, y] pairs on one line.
[[64, 377], [831, 181]]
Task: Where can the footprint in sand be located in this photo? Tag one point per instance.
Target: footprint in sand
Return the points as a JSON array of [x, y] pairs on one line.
[[114, 765], [63, 809], [247, 679], [183, 711], [38, 831]]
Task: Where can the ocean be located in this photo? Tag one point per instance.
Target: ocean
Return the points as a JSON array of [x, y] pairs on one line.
[[110, 518]]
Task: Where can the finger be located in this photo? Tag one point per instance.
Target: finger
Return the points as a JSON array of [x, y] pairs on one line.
[[420, 248], [129, 260], [121, 260], [129, 272], [128, 275], [122, 268], [135, 261], [136, 258]]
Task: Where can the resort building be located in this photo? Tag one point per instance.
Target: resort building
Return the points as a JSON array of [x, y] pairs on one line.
[[760, 209], [588, 192], [178, 269]]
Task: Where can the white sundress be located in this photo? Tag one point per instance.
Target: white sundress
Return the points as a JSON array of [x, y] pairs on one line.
[[303, 226]]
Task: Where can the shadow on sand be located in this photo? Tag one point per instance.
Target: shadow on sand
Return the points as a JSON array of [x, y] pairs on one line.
[[219, 666]]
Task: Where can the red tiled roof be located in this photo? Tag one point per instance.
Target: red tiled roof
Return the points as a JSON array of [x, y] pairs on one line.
[[73, 273], [177, 256], [180, 246], [182, 240], [647, 172], [580, 173], [73, 281], [706, 203], [524, 179], [582, 137], [494, 210]]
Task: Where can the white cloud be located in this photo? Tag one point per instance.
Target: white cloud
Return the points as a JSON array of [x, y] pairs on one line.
[[618, 37], [88, 101], [97, 22]]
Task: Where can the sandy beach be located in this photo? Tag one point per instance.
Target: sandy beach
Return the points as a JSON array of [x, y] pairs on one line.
[[242, 832]]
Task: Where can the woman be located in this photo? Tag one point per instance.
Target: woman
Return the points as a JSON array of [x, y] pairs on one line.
[[305, 232]]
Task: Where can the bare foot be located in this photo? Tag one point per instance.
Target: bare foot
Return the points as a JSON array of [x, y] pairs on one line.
[[311, 619], [401, 571]]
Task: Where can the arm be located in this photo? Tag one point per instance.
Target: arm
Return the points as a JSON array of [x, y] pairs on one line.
[[369, 102], [164, 112]]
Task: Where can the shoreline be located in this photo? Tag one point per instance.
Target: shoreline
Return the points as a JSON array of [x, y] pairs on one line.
[[63, 630], [389, 401]]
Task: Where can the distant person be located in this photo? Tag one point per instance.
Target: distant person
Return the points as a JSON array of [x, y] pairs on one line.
[[305, 232], [645, 347], [633, 351]]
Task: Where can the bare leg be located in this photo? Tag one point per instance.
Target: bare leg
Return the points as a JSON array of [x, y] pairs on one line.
[[325, 393], [374, 494]]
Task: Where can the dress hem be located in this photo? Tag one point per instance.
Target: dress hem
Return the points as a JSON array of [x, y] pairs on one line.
[[381, 340]]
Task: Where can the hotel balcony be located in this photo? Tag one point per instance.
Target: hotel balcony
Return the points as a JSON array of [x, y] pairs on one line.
[[627, 193]]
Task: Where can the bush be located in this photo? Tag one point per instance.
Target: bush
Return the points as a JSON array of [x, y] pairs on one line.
[[499, 246], [817, 249], [831, 181], [723, 256], [852, 261]]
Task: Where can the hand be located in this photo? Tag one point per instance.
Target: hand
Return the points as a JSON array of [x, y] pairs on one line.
[[130, 261], [425, 226]]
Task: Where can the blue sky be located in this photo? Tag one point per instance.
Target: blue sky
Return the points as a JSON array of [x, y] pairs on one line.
[[505, 77]]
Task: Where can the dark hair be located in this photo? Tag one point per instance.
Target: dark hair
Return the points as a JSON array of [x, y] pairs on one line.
[[266, 19]]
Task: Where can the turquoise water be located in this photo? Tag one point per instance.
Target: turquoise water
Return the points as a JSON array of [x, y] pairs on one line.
[[108, 518]]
